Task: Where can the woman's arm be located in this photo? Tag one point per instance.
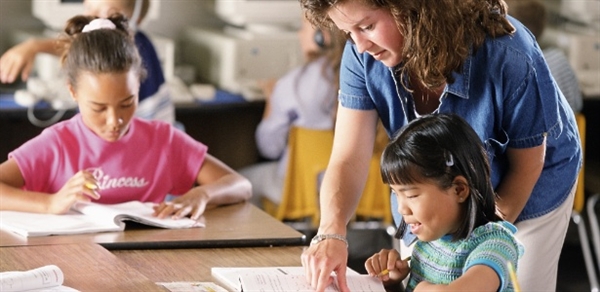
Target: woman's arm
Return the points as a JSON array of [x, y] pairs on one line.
[[525, 167], [344, 180], [348, 168]]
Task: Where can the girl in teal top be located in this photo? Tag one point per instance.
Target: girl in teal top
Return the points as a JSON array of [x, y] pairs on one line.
[[439, 172]]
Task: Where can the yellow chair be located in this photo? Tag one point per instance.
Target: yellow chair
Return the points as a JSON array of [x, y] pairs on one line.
[[308, 156], [375, 200], [578, 204]]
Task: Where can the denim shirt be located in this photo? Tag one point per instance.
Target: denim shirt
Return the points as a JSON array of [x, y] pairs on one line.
[[505, 92]]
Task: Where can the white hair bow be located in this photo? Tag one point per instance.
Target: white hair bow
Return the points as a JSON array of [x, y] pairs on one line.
[[99, 23]]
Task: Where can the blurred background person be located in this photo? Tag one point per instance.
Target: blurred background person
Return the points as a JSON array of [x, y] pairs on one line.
[[304, 97]]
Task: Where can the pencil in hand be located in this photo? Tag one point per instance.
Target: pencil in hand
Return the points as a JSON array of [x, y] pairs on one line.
[[386, 271], [513, 276]]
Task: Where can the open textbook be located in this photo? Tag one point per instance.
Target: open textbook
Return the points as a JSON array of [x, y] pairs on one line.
[[285, 279], [46, 278], [87, 217]]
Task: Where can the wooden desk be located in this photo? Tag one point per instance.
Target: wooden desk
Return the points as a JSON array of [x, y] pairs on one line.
[[195, 264], [239, 225], [87, 267]]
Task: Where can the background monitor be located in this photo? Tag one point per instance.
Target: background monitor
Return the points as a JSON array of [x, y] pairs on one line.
[[586, 11], [55, 13], [261, 12]]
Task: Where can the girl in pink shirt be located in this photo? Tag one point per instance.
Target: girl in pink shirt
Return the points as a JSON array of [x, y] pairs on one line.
[[104, 153]]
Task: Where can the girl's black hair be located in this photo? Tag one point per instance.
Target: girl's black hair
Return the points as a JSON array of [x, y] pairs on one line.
[[437, 148]]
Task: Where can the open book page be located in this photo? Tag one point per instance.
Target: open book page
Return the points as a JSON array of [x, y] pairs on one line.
[[285, 283], [133, 211], [46, 278], [34, 224], [230, 276], [87, 217]]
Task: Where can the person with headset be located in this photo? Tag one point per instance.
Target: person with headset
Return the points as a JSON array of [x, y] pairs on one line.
[[154, 100], [306, 97]]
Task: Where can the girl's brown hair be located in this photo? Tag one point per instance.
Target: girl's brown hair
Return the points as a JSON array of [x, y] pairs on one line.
[[100, 50], [438, 35]]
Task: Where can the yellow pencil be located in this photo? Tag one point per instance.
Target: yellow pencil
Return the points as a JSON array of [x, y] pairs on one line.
[[386, 271], [513, 276], [90, 186]]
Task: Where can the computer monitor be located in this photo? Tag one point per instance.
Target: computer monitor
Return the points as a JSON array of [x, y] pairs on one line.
[[586, 11], [260, 12], [55, 13]]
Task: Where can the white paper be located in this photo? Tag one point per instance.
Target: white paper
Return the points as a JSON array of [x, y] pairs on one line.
[[230, 276], [288, 283], [46, 278]]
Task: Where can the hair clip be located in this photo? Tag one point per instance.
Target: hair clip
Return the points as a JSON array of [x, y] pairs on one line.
[[401, 229], [98, 23], [450, 160]]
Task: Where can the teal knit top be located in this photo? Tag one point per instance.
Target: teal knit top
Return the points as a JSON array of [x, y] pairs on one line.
[[443, 261]]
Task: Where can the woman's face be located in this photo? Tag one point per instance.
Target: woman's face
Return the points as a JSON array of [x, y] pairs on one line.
[[429, 211], [373, 31], [107, 102]]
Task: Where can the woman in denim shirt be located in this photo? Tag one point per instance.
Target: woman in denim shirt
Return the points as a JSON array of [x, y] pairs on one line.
[[409, 58]]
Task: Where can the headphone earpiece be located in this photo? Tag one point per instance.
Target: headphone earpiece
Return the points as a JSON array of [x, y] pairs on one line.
[[320, 39]]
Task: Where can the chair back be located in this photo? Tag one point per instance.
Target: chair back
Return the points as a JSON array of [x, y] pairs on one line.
[[579, 201], [308, 156], [375, 200]]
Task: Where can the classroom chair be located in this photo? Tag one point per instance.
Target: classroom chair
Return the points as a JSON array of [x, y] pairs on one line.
[[308, 156], [578, 204], [375, 200]]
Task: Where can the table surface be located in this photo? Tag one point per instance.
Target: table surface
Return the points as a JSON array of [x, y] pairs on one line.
[[87, 267], [238, 225], [195, 264]]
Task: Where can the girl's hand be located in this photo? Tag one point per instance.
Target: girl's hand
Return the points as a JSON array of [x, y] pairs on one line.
[[81, 187], [388, 267], [192, 204]]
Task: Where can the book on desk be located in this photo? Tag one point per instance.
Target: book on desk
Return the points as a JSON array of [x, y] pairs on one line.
[[88, 217], [46, 278]]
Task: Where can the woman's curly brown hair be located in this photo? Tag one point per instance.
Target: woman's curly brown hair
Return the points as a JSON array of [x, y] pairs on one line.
[[438, 35]]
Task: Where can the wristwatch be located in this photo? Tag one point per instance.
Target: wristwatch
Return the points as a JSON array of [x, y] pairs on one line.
[[320, 237]]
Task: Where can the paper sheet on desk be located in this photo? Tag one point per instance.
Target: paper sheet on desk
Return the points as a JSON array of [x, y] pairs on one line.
[[230, 276], [286, 283]]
